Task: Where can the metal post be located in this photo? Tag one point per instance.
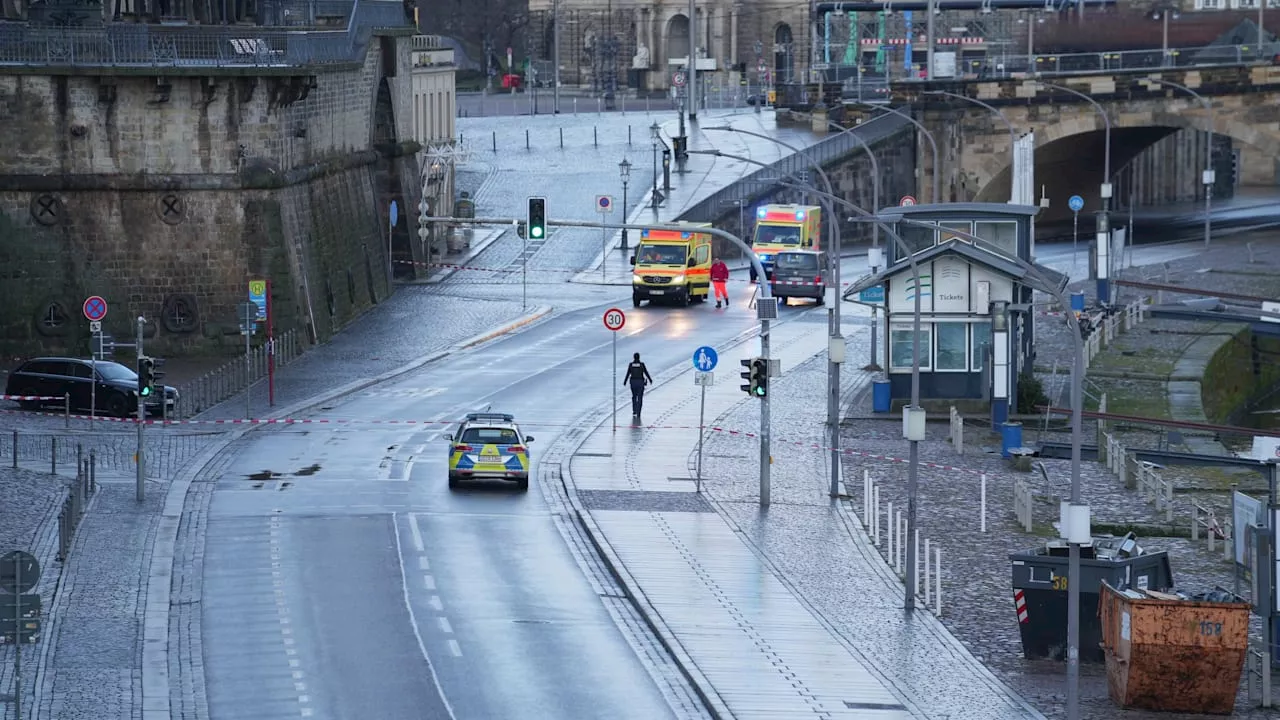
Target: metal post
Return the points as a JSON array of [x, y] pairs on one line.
[[982, 502], [837, 337], [931, 10], [248, 378], [614, 390], [17, 646], [524, 272], [1075, 239], [702, 414], [555, 56], [66, 410], [604, 250], [765, 458], [93, 371], [140, 487], [693, 63]]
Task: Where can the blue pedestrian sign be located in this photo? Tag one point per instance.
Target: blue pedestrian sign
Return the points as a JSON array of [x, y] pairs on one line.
[[705, 359], [1076, 203], [395, 213]]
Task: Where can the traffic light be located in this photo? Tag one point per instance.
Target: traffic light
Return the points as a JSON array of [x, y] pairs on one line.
[[759, 377], [537, 218], [522, 229], [746, 376], [146, 375]]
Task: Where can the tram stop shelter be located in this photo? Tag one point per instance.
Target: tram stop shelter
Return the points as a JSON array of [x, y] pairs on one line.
[[976, 313]]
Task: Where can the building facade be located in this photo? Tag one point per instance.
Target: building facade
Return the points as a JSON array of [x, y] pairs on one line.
[[638, 45], [434, 121]]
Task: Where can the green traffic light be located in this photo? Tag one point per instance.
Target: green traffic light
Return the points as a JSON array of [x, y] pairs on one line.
[[146, 391], [537, 232], [760, 392]]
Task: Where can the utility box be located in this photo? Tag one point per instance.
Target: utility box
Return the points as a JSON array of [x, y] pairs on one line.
[[1171, 654], [1040, 591]]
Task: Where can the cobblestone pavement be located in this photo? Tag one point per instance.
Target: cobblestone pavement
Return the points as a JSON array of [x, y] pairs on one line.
[[807, 539]]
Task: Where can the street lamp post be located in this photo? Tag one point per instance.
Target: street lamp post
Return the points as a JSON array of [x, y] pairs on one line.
[[1208, 176], [1165, 11], [1104, 288], [835, 340], [655, 133], [933, 143], [624, 172], [1013, 134], [1076, 524]]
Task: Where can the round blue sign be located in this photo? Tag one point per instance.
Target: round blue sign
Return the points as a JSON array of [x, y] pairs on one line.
[[1076, 203], [705, 359]]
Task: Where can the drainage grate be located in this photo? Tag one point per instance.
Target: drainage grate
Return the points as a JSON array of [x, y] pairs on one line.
[[592, 454], [873, 706]]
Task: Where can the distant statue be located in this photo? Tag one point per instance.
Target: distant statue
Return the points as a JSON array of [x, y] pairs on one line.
[[640, 61]]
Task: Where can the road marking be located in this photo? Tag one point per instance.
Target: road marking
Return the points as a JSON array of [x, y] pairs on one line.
[[290, 651], [435, 603], [454, 648], [288, 641], [293, 663], [429, 581], [304, 699], [286, 630], [300, 686], [306, 712], [423, 563], [413, 617], [416, 532], [297, 674]]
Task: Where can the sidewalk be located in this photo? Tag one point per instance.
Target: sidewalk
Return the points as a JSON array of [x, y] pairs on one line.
[[713, 573], [705, 175]]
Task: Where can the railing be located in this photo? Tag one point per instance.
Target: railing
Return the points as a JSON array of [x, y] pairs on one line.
[[126, 45], [1138, 474], [1023, 504], [869, 80], [765, 180], [928, 585], [1105, 328], [234, 376]]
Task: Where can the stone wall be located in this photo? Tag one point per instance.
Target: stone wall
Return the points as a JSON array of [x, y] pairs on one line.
[[165, 195]]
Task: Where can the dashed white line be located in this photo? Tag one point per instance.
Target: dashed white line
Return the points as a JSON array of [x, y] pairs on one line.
[[413, 620], [423, 563], [300, 686], [306, 712], [304, 699], [454, 648], [429, 582], [444, 624], [434, 602], [416, 532]]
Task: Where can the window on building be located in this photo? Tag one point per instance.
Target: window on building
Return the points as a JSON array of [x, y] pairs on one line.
[[1001, 235], [917, 238], [900, 346], [981, 343], [952, 347], [963, 226]]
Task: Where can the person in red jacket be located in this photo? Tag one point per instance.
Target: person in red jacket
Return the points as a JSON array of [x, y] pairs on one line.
[[719, 277]]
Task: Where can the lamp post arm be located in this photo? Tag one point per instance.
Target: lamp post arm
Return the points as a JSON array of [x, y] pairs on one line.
[[933, 144], [1106, 120]]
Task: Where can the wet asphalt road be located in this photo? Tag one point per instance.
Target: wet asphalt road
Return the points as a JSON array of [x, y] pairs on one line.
[[337, 558]]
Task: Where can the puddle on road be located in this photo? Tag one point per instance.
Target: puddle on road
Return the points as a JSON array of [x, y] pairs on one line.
[[264, 475], [308, 471]]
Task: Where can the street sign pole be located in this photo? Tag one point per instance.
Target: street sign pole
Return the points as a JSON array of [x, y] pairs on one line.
[[140, 488], [17, 645], [1076, 204], [390, 229], [271, 353], [705, 360], [614, 319], [702, 414], [93, 374]]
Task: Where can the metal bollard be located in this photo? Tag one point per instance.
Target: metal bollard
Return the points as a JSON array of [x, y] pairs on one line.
[[526, 138], [628, 135], [595, 136], [15, 449], [927, 555], [66, 409], [890, 531], [937, 579], [915, 591], [1195, 522], [875, 516], [93, 471], [982, 502], [494, 138], [561, 138], [53, 455]]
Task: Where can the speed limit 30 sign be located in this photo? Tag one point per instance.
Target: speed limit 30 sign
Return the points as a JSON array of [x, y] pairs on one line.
[[614, 319]]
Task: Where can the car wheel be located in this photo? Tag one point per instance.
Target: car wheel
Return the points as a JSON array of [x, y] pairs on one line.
[[118, 406], [687, 298], [822, 296], [635, 300], [522, 484], [453, 482]]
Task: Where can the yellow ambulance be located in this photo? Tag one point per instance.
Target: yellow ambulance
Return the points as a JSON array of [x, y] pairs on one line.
[[785, 227], [672, 265]]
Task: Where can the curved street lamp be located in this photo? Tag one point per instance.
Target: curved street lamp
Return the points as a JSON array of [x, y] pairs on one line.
[[933, 143], [624, 172], [1208, 176], [1013, 134]]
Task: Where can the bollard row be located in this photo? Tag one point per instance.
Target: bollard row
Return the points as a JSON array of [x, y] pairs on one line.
[[84, 487], [928, 587], [957, 430]]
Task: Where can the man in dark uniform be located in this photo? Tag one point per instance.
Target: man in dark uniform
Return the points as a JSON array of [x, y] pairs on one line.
[[637, 376]]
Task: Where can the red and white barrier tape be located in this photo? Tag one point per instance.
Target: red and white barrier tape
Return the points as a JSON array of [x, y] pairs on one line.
[[559, 270], [21, 398], [348, 423]]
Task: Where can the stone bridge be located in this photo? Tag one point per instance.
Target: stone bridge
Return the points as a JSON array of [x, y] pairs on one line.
[[975, 144]]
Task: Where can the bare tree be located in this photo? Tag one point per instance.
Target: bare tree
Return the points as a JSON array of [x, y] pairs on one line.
[[501, 23]]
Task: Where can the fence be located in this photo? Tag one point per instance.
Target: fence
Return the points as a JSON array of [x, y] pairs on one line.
[[1137, 474], [1023, 504], [137, 45], [928, 585], [1104, 328], [957, 430], [234, 376]]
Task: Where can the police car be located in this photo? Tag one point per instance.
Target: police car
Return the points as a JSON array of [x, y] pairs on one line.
[[489, 446]]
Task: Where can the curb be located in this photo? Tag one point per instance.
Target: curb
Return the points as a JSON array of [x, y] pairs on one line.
[[706, 692], [537, 314], [156, 685]]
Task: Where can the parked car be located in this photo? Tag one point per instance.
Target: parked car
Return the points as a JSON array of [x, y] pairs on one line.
[[115, 393], [799, 274]]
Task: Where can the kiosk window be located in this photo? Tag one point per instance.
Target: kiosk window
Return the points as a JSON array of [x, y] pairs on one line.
[[981, 343], [900, 346], [1002, 236], [952, 347]]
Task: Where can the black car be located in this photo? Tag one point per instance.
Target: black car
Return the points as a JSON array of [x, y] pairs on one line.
[[116, 392]]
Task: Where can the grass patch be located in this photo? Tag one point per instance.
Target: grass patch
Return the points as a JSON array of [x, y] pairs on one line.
[[1145, 398], [1148, 361]]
